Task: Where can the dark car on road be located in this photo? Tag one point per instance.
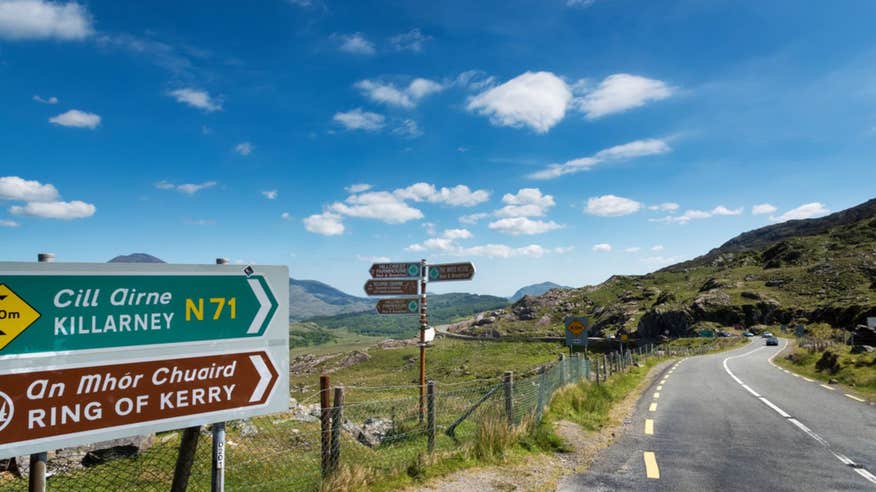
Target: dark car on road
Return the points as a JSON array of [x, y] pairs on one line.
[[772, 341]]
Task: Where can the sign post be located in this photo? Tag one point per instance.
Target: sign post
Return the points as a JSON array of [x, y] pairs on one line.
[[117, 350], [400, 279], [577, 330]]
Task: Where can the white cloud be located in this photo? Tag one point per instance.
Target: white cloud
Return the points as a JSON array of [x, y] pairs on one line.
[[50, 100], [40, 19], [517, 226], [665, 207], [412, 40], [408, 128], [454, 234], [16, 188], [633, 249], [458, 196], [76, 119], [476, 80], [8, 223], [763, 208], [196, 98], [357, 119], [285, 216], [354, 43], [471, 219], [722, 210], [638, 148], [430, 227], [528, 202], [357, 188], [186, 188], [270, 194], [611, 206], [326, 223], [579, 3], [620, 92], [55, 210], [534, 99], [447, 244], [405, 97], [805, 211], [243, 148], [684, 218], [657, 247], [602, 247], [379, 205]]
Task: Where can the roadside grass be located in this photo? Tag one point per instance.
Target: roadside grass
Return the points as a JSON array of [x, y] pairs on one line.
[[719, 344], [858, 371]]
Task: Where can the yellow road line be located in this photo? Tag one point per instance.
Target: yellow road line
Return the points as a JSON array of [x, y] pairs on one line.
[[853, 397], [651, 469], [649, 426], [653, 407], [826, 387], [657, 396]]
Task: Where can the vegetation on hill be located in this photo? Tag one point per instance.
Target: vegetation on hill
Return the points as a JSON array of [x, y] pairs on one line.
[[443, 308], [535, 290], [817, 270]]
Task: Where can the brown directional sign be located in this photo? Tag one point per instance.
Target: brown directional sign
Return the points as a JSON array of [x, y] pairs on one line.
[[402, 305], [43, 404], [390, 287], [451, 271], [395, 270]]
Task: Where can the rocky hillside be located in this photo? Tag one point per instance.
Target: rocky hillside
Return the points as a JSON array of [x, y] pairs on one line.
[[817, 270], [311, 298]]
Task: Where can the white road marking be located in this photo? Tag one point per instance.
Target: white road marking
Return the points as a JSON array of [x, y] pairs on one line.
[[807, 379], [853, 397], [826, 387], [800, 425]]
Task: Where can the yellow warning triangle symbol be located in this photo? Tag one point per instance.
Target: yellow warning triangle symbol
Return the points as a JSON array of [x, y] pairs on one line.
[[16, 315]]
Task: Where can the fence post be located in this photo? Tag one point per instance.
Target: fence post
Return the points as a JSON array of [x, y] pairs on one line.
[[508, 382], [605, 373], [337, 424], [325, 423], [187, 447], [430, 413], [542, 383], [562, 359]]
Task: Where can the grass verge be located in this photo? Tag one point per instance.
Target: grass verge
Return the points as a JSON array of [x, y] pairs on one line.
[[858, 371]]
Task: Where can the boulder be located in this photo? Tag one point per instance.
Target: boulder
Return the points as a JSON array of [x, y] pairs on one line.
[[371, 433], [672, 322], [712, 284], [862, 349]]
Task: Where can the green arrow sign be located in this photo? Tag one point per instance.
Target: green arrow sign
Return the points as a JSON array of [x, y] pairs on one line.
[[79, 312]]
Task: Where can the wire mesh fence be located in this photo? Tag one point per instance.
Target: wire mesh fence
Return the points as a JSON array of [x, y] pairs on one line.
[[367, 432]]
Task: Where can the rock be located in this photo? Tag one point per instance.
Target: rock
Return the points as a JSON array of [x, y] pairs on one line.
[[775, 282], [832, 381], [672, 322], [712, 284], [860, 349], [665, 297], [543, 321], [71, 459], [829, 361], [371, 433], [244, 427], [751, 295], [486, 321]]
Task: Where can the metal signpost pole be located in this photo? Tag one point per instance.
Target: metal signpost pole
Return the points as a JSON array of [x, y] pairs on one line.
[[217, 478], [424, 324], [36, 478]]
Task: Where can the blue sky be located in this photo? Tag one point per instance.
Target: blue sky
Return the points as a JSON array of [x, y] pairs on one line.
[[553, 140]]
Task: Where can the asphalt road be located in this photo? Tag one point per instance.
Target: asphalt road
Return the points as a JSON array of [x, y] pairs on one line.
[[734, 421]]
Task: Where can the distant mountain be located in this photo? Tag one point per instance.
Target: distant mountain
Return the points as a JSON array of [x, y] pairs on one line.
[[310, 298], [535, 290], [136, 258]]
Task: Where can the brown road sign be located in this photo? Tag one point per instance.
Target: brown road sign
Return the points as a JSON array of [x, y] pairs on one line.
[[395, 270], [391, 287], [451, 271], [402, 305], [47, 404]]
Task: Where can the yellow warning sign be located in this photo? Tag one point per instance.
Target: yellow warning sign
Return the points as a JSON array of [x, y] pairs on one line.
[[576, 327], [15, 315]]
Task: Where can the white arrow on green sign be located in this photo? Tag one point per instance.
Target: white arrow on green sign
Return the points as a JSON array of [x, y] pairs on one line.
[[51, 313]]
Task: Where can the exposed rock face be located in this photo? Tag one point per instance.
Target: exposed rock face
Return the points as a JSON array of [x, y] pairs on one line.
[[659, 321], [71, 459]]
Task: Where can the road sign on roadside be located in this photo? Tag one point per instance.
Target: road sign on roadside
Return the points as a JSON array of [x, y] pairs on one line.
[[108, 351], [76, 311], [402, 305], [391, 287], [394, 270], [451, 271], [150, 394], [577, 330]]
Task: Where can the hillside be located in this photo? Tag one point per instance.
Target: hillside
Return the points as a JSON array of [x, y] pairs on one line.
[[310, 298], [443, 308], [806, 271], [136, 258], [535, 290]]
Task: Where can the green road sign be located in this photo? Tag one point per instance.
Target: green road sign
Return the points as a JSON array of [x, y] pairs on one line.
[[53, 313], [707, 333], [394, 270]]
